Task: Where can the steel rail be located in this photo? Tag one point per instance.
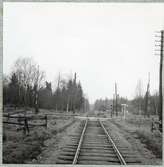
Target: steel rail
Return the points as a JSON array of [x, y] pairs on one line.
[[122, 161], [79, 145]]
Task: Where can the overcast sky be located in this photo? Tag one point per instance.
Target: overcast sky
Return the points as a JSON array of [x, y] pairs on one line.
[[103, 42]]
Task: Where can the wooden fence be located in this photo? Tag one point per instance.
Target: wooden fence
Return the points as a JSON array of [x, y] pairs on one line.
[[23, 121], [155, 125]]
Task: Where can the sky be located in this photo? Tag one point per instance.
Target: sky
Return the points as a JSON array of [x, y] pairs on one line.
[[103, 43]]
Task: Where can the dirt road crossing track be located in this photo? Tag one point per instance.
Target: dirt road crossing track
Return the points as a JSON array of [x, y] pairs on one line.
[[92, 144]]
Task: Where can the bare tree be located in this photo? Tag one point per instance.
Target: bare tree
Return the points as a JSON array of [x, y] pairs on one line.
[[29, 76], [24, 69], [155, 101], [38, 76], [147, 98], [139, 95]]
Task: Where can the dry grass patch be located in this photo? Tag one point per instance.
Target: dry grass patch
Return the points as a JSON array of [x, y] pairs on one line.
[[18, 148], [153, 141]]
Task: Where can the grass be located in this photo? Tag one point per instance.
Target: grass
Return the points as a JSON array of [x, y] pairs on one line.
[[153, 141], [140, 127], [20, 149], [17, 148]]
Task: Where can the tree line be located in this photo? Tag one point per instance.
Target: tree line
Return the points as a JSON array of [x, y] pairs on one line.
[[26, 87], [109, 104], [138, 105], [142, 104], [135, 106]]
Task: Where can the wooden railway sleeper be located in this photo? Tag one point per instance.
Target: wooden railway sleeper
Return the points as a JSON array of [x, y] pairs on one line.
[[122, 161]]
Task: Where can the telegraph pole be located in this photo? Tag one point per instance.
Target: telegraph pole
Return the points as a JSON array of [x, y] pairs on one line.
[[112, 108], [160, 106], [116, 99], [57, 93], [160, 81]]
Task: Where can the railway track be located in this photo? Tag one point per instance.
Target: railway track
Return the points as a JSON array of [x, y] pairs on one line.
[[92, 144]]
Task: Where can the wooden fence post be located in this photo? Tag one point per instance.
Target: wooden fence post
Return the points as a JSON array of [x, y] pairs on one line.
[[19, 121], [46, 121], [152, 125], [26, 126], [8, 117], [24, 129], [160, 126]]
